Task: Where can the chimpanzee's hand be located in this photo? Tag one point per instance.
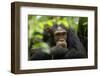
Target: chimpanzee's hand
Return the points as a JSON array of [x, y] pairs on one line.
[[58, 52], [62, 44]]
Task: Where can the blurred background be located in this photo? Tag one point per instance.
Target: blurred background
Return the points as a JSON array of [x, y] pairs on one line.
[[37, 24]]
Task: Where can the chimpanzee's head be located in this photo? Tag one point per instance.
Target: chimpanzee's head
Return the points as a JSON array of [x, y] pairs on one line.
[[60, 35]]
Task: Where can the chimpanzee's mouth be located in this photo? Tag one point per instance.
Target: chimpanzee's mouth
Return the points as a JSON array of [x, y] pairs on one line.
[[61, 40]]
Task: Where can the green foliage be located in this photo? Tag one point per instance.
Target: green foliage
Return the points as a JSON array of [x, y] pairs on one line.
[[83, 31], [36, 25]]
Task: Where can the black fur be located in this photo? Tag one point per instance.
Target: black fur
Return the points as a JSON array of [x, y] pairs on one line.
[[74, 48]]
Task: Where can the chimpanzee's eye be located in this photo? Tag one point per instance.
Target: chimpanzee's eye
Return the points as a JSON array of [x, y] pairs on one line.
[[57, 34], [63, 33]]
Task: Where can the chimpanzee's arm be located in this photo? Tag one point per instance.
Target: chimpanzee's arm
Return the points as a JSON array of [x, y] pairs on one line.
[[58, 52], [76, 49]]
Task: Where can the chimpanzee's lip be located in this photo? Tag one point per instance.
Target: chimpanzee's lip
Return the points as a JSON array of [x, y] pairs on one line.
[[61, 40]]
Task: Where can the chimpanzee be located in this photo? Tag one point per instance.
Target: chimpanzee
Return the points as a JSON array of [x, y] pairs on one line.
[[64, 44]]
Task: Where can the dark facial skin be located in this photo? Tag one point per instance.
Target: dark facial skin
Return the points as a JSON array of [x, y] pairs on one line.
[[60, 36]]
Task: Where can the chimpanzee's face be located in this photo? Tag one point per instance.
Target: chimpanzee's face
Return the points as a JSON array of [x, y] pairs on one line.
[[60, 36]]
